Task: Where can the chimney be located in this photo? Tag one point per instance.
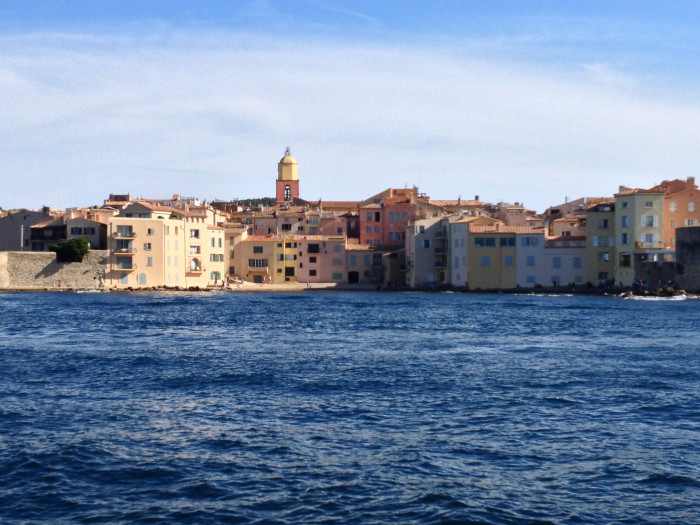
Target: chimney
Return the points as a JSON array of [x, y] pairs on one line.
[[476, 198], [691, 180], [622, 189]]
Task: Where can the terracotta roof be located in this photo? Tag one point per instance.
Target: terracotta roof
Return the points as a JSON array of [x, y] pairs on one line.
[[633, 191], [568, 238], [475, 228]]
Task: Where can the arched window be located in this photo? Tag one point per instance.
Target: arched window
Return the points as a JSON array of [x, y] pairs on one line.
[[287, 192], [194, 265], [142, 278]]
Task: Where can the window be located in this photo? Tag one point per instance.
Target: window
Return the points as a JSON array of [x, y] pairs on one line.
[[89, 230], [509, 260], [689, 222], [312, 260], [194, 234], [484, 241], [672, 206], [391, 236], [577, 262], [314, 219], [147, 246], [336, 248], [314, 248], [286, 227], [625, 221], [313, 230], [280, 257], [168, 261], [257, 249], [142, 278], [257, 263], [673, 224], [530, 261], [603, 224], [377, 259], [290, 257], [337, 276], [150, 231], [421, 229], [556, 262], [649, 204], [340, 231], [149, 261], [369, 216], [391, 216], [287, 192], [76, 230], [625, 204], [625, 259], [353, 260], [377, 216], [649, 221], [485, 260], [426, 243], [528, 241], [530, 279], [603, 276], [337, 262], [376, 229], [369, 229], [624, 238], [368, 260], [603, 240], [312, 273], [603, 256], [195, 249], [691, 207], [124, 263], [507, 241]]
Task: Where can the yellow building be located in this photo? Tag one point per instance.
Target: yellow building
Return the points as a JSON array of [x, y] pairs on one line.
[[491, 257]]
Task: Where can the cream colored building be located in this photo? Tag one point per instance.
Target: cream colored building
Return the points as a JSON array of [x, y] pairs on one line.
[[639, 230], [153, 246]]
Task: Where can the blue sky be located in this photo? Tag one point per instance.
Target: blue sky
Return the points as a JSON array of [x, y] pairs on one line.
[[512, 101]]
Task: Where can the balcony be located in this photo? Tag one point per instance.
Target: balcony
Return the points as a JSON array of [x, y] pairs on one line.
[[643, 245], [127, 252], [124, 235], [194, 265], [124, 268]]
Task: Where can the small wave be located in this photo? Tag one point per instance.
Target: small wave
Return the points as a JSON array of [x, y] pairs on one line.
[[670, 479], [654, 298]]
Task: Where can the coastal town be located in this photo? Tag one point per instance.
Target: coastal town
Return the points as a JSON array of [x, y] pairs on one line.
[[400, 238]]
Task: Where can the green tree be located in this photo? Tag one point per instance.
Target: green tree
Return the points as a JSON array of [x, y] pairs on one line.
[[72, 250]]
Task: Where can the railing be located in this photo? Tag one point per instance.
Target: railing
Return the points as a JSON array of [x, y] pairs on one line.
[[124, 268], [643, 245], [123, 235], [124, 251]]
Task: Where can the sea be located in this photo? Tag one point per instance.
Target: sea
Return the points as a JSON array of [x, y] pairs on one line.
[[348, 407]]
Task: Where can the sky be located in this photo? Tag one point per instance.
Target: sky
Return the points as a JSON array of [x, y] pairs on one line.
[[530, 102]]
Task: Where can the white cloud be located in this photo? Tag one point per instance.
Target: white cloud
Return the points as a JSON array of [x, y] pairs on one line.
[[209, 115]]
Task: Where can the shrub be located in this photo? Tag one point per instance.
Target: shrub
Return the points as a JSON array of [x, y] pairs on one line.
[[72, 250]]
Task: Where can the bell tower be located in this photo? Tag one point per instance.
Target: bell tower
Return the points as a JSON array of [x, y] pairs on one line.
[[287, 179]]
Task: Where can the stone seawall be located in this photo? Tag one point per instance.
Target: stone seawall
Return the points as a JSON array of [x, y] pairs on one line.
[[40, 271]]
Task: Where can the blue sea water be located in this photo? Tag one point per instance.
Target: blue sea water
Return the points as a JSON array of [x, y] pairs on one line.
[[348, 408]]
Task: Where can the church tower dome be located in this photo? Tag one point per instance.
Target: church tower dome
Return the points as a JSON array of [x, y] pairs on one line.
[[287, 179]]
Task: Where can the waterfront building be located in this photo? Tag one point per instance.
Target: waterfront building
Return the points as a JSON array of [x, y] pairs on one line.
[[639, 229], [564, 258], [600, 243], [321, 259], [681, 207]]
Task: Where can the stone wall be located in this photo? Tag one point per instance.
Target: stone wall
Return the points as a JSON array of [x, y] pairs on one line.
[[40, 271]]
